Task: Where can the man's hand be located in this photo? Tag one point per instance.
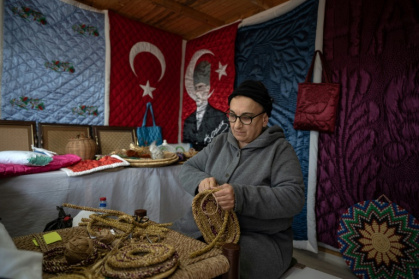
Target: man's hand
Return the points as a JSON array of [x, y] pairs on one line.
[[207, 184], [225, 197]]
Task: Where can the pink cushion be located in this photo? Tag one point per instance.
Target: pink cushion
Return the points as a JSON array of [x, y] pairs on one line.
[[59, 161]]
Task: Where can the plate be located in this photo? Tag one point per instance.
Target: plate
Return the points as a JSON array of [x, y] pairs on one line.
[[169, 158], [379, 240]]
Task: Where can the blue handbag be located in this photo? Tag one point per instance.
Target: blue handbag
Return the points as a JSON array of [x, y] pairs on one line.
[[146, 135]]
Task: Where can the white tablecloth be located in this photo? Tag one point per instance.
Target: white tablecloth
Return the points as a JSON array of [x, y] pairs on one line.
[[28, 202]]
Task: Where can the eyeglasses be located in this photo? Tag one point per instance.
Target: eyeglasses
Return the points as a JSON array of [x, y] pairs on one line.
[[244, 119]]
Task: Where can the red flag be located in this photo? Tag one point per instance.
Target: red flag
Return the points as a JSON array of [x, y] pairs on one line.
[[209, 70], [145, 67]]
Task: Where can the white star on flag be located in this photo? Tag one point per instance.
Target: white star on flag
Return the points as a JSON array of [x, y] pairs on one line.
[[221, 70], [147, 89]]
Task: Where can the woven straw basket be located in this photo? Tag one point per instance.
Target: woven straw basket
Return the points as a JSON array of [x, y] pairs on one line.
[[81, 146], [210, 217]]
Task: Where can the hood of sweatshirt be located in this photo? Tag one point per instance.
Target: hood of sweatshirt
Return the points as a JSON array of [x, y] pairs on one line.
[[268, 136]]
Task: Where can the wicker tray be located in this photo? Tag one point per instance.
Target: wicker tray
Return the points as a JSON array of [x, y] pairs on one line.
[[169, 158], [209, 265]]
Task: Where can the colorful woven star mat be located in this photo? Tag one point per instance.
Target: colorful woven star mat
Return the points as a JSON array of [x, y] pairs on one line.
[[379, 239]]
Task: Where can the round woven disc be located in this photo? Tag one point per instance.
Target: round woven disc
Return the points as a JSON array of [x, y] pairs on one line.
[[209, 218], [379, 240], [169, 158]]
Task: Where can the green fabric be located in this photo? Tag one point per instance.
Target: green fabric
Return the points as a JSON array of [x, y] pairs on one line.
[[39, 160]]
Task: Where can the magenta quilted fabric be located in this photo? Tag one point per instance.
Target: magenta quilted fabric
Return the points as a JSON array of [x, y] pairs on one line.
[[58, 161], [372, 48], [145, 67]]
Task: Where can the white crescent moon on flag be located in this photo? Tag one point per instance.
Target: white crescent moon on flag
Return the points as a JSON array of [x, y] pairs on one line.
[[147, 47], [190, 69]]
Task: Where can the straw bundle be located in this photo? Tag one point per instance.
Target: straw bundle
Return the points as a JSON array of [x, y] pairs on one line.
[[78, 249], [124, 253], [123, 224], [208, 265]]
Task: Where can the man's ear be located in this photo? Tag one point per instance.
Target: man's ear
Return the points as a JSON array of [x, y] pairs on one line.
[[265, 119]]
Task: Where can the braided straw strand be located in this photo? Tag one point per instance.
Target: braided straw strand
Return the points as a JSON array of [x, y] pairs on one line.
[[124, 223], [109, 211], [41, 242]]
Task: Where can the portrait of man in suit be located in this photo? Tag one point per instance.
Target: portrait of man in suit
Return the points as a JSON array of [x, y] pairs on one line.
[[205, 122]]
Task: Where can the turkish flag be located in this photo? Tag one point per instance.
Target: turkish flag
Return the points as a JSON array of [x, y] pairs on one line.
[[208, 59], [145, 67]]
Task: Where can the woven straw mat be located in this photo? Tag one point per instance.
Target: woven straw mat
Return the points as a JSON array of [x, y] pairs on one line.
[[14, 139], [169, 158], [208, 265], [111, 141]]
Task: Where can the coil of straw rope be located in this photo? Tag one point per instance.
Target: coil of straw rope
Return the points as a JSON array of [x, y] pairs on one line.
[[216, 225], [141, 260], [133, 258]]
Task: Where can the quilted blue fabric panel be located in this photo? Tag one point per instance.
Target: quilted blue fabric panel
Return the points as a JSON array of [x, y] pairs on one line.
[[53, 63], [278, 52]]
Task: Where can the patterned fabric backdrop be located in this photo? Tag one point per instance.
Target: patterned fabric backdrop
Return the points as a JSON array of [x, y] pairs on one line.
[[278, 53], [53, 63], [372, 48]]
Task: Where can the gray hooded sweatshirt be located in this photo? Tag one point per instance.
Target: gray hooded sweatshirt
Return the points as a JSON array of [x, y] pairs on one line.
[[269, 190]]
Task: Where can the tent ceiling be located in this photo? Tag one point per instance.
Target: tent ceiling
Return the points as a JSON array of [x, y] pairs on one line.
[[187, 18]]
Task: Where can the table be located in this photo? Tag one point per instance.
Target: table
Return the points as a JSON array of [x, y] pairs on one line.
[[28, 202], [209, 265]]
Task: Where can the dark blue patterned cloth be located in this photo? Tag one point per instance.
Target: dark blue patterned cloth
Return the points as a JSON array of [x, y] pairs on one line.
[[278, 52]]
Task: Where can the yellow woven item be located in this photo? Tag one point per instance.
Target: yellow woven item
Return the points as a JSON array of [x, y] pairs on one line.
[[81, 146], [216, 225], [124, 224], [77, 249], [174, 251], [169, 158], [128, 259], [208, 265], [55, 261], [141, 260]]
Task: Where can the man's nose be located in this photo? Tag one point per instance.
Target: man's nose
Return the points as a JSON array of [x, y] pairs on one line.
[[238, 123]]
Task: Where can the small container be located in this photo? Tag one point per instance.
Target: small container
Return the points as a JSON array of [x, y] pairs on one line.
[[167, 147], [81, 146], [102, 203], [140, 215], [140, 212]]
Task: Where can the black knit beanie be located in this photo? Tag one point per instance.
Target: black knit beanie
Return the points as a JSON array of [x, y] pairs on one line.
[[255, 90]]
